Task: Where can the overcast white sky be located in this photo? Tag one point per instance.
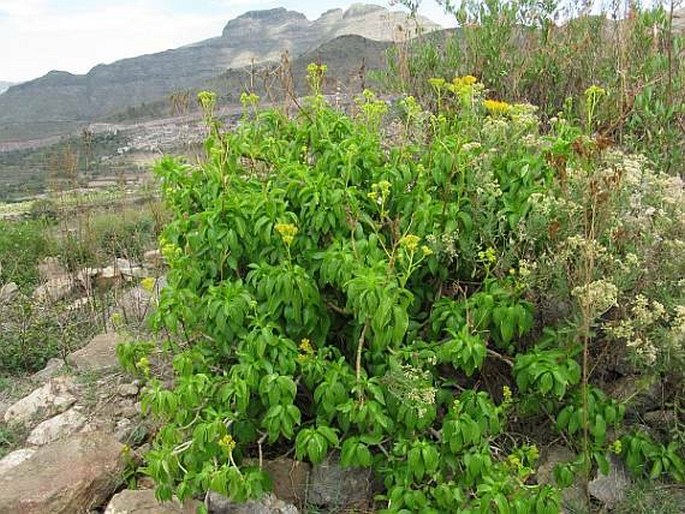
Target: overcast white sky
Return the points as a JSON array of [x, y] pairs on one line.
[[37, 36]]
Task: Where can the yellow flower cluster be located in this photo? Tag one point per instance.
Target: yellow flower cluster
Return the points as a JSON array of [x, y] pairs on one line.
[[306, 346], [249, 99], [287, 231], [207, 100], [489, 256], [496, 107], [617, 447], [380, 192], [143, 365], [227, 443], [437, 82], [148, 284], [313, 68], [595, 91], [506, 394], [306, 350], [410, 242]]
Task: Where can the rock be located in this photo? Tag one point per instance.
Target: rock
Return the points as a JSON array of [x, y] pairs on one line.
[[332, 486], [611, 489], [50, 268], [55, 289], [133, 273], [15, 458], [128, 409], [122, 263], [136, 304], [107, 278], [123, 430], [127, 390], [79, 304], [8, 292], [98, 355], [144, 502], [661, 419], [269, 504], [153, 259], [573, 497], [57, 427], [53, 366], [66, 477], [86, 276], [640, 393], [52, 398], [289, 478]]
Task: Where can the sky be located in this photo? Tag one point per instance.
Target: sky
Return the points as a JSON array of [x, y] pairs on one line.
[[37, 36]]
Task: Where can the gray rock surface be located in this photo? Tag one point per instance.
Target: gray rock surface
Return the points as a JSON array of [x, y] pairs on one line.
[[69, 476], [290, 479], [269, 504], [48, 400], [144, 502], [8, 292], [573, 498], [98, 355], [52, 367], [57, 427], [334, 486], [15, 458], [55, 289], [611, 489], [50, 268]]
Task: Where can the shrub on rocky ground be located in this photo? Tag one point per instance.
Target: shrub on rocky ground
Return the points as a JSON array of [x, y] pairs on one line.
[[433, 307]]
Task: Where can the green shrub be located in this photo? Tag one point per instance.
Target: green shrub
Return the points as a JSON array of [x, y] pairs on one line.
[[547, 52], [97, 238], [33, 333], [335, 290], [23, 244]]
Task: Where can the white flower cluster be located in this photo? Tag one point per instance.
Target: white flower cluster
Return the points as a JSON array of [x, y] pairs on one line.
[[597, 297], [413, 386]]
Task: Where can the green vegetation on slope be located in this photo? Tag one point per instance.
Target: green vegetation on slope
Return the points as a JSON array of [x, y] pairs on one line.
[[413, 303]]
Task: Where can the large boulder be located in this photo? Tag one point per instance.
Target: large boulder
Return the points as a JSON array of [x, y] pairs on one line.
[[57, 427], [574, 498], [289, 478], [153, 259], [8, 293], [144, 502], [55, 289], [69, 476], [98, 355], [52, 368], [139, 302], [15, 458], [336, 487], [611, 489], [50, 268], [52, 398]]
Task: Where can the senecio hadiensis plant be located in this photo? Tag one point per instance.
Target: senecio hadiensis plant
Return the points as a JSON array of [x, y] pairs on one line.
[[376, 298]]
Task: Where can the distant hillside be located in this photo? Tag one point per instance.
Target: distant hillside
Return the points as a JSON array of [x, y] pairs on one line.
[[4, 85], [351, 62], [349, 59], [60, 102]]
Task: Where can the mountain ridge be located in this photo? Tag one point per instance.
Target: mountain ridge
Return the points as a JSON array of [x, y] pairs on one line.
[[60, 102]]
